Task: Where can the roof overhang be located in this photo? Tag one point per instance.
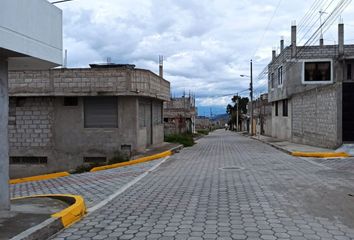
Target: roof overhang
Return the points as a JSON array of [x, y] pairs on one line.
[[31, 34]]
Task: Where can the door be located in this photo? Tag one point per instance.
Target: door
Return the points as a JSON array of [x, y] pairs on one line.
[[348, 112]]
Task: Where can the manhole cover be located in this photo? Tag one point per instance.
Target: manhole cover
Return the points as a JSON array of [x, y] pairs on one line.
[[232, 168]]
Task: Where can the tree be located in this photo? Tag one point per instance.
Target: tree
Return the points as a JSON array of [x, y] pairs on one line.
[[231, 109]]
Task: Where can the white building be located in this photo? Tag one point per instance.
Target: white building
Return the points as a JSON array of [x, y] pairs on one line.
[[30, 38]]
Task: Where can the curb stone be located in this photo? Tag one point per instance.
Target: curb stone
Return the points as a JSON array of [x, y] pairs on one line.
[[58, 221]]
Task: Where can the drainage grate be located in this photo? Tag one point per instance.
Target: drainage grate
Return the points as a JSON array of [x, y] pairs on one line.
[[232, 168]]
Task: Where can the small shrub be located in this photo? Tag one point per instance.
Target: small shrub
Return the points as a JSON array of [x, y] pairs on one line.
[[118, 158], [86, 167], [185, 139], [203, 131]]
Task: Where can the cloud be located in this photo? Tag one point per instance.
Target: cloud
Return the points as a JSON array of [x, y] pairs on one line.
[[207, 44]]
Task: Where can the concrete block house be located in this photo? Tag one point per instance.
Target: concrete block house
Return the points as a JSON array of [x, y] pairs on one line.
[[179, 115], [62, 118], [311, 89]]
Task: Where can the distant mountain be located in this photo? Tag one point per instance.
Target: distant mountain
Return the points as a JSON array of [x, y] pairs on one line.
[[212, 110], [221, 116]]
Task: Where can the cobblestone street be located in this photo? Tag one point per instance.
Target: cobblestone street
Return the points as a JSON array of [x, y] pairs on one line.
[[92, 186], [230, 187]]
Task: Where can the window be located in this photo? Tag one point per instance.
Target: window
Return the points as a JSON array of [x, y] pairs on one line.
[[71, 101], [276, 108], [272, 80], [285, 107], [280, 76], [28, 160], [317, 71], [95, 159], [349, 71], [101, 112]]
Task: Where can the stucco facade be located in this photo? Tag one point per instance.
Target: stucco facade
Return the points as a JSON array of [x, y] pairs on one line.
[[61, 118]]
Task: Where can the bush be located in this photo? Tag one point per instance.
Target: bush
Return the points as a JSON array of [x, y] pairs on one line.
[[203, 131], [118, 158], [86, 167], [185, 139]]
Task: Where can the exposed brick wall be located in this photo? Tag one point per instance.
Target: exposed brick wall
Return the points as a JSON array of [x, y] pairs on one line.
[[314, 117], [30, 122]]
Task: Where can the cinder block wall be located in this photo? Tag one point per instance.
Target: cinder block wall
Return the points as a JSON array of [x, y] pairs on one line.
[[315, 117]]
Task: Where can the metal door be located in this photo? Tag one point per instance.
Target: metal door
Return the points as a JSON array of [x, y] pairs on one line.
[[348, 112]]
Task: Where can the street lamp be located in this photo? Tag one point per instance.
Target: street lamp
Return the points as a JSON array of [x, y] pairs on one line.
[[251, 93]]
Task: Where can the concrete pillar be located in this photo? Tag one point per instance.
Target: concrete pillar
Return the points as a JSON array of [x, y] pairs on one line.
[[341, 39], [4, 145], [293, 41]]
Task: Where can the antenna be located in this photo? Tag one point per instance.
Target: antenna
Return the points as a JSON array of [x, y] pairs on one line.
[[161, 66], [65, 58]]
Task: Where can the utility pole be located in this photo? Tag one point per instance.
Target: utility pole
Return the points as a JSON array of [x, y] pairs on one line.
[[251, 95], [237, 102]]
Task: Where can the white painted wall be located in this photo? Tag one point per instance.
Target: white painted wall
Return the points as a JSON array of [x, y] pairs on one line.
[[30, 38], [34, 29]]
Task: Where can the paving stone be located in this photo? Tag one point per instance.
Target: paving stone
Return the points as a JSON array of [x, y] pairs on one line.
[[272, 196]]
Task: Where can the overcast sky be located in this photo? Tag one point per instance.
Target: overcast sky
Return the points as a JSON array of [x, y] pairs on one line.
[[207, 44]]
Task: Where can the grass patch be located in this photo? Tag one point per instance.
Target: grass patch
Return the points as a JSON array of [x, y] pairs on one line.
[[185, 139]]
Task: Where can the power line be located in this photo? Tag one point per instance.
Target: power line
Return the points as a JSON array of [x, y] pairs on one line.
[[338, 9], [62, 1], [267, 28]]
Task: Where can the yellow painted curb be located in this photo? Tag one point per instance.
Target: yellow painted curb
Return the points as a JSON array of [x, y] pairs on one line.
[[320, 154], [69, 215], [73, 213], [39, 177], [132, 162]]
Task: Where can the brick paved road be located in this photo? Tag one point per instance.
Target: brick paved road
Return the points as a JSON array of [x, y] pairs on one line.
[[266, 194], [94, 187]]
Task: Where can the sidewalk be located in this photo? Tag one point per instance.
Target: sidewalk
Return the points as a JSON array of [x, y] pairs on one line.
[[96, 188], [27, 213], [290, 147]]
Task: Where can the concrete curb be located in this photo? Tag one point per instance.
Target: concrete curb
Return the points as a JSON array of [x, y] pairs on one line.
[[320, 154], [58, 220], [307, 154], [139, 160], [39, 177]]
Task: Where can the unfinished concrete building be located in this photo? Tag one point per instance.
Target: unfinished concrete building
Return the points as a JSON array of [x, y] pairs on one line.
[[62, 118], [179, 115], [262, 115], [311, 89]]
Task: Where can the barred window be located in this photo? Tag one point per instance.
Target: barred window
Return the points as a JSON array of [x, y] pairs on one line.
[[28, 160]]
